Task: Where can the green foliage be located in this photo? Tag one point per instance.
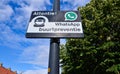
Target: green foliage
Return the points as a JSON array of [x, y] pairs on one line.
[[99, 51]]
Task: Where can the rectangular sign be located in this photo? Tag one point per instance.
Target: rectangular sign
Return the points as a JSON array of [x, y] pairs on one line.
[[49, 24]]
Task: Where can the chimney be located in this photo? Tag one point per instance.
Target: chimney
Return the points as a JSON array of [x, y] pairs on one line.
[[15, 72], [9, 69], [1, 64]]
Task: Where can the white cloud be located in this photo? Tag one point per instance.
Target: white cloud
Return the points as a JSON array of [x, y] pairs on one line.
[[38, 3], [27, 6], [81, 2], [8, 37], [5, 12], [73, 5], [36, 55], [41, 71]]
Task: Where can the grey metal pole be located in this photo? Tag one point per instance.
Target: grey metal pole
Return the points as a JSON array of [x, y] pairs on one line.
[[54, 57], [56, 5], [53, 67]]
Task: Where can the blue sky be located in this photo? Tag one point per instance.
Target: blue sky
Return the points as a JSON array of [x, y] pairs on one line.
[[29, 56]]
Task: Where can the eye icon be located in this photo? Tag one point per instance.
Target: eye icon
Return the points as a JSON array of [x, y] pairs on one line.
[[39, 22]]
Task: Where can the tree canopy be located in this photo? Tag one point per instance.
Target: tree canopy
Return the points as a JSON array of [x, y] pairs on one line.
[[99, 51]]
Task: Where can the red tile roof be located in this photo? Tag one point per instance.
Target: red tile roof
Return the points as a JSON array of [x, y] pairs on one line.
[[6, 71]]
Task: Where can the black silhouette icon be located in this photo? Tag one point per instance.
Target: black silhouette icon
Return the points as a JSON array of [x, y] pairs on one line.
[[39, 22]]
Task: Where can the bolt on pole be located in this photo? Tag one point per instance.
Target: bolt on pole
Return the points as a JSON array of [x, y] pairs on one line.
[[53, 67]]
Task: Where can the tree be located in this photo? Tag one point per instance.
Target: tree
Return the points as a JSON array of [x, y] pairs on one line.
[[99, 51]]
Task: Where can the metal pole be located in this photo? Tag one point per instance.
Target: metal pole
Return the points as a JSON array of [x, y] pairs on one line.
[[56, 5], [54, 57], [53, 67]]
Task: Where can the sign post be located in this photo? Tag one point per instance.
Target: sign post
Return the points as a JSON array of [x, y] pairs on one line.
[[55, 24], [53, 67]]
